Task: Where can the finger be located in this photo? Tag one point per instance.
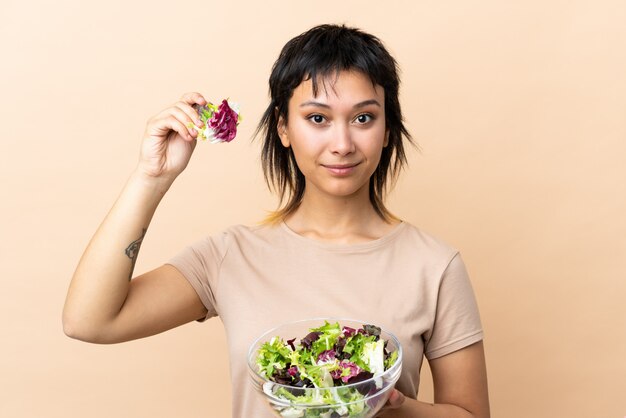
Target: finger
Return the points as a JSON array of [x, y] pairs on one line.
[[184, 118], [190, 112], [170, 122], [193, 97], [396, 399]]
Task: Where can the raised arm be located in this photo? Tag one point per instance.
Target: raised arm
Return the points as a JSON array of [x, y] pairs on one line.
[[103, 304]]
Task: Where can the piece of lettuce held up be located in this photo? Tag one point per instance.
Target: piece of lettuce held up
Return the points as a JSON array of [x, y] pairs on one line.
[[219, 123]]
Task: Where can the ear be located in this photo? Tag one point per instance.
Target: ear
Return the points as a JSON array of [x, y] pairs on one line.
[[386, 138], [281, 127]]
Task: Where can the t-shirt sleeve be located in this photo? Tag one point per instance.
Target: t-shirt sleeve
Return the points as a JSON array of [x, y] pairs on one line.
[[200, 263], [457, 320]]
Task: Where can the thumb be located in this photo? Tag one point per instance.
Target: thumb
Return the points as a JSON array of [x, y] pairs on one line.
[[396, 399]]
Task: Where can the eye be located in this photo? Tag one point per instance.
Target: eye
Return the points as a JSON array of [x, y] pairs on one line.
[[364, 118], [317, 119]]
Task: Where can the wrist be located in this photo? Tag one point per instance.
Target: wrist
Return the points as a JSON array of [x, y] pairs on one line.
[[149, 186], [158, 185]]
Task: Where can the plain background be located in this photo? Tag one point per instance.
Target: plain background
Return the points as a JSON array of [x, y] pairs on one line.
[[520, 111]]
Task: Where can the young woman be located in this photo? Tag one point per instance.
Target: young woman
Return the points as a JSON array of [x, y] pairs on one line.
[[333, 139]]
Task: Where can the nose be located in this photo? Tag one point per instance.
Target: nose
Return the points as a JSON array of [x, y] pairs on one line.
[[341, 142]]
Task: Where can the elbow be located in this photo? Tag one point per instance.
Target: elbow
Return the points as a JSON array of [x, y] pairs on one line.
[[74, 331], [79, 330]]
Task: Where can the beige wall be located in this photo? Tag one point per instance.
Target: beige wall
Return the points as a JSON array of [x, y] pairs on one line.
[[520, 108]]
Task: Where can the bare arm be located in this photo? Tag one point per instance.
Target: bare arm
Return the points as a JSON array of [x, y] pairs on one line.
[[103, 305], [460, 385]]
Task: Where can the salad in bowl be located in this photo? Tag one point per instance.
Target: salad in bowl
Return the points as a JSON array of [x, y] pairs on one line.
[[325, 368]]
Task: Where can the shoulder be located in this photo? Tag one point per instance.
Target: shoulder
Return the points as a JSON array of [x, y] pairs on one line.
[[241, 231], [246, 235], [426, 243], [218, 244]]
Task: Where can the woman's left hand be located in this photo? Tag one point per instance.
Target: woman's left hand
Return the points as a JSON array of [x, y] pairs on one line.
[[396, 399]]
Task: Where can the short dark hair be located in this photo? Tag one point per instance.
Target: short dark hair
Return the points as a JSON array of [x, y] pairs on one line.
[[314, 55]]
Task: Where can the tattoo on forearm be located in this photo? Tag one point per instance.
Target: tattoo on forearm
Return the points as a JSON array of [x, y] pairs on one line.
[[133, 250]]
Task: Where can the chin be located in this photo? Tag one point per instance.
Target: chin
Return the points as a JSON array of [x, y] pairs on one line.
[[347, 191], [339, 188]]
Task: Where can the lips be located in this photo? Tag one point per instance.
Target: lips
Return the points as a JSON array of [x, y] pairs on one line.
[[341, 170], [340, 166]]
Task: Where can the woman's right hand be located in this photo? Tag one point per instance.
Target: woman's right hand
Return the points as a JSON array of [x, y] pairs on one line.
[[168, 142]]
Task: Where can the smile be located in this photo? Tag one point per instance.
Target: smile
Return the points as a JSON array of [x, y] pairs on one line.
[[341, 169]]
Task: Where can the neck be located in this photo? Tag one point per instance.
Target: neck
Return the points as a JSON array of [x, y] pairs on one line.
[[324, 215]]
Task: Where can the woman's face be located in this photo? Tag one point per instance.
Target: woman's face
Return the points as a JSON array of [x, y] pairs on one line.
[[337, 137]]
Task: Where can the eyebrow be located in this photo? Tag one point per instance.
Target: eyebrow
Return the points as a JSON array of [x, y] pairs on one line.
[[356, 106]]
